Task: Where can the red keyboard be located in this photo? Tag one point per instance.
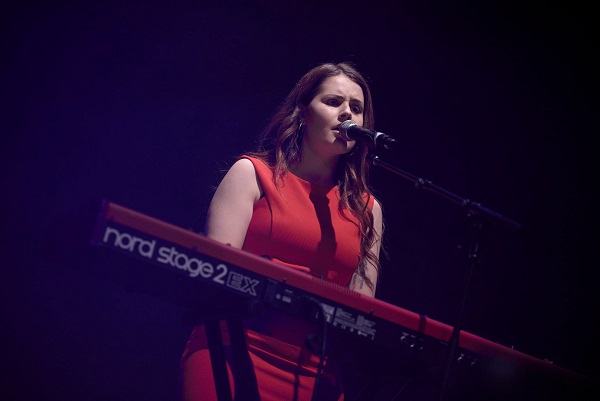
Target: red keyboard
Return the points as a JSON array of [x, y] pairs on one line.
[[233, 272]]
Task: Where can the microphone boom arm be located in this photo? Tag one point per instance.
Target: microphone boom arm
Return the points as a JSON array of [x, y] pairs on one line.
[[469, 205]]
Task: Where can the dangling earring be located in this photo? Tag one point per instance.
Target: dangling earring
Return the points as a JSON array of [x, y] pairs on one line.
[[298, 133]]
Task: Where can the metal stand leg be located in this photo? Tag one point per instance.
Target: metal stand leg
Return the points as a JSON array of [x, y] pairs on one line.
[[217, 359]]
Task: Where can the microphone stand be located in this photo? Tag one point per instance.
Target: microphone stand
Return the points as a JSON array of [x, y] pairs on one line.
[[476, 216]]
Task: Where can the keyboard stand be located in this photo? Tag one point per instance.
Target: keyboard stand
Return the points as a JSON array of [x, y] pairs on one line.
[[244, 378]]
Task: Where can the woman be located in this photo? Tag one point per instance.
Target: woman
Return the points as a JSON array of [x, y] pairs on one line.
[[303, 201]]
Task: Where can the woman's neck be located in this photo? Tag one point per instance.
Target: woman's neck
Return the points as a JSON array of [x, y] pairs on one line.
[[316, 170]]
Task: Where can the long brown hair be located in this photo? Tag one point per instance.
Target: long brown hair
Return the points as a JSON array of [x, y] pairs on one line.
[[280, 147]]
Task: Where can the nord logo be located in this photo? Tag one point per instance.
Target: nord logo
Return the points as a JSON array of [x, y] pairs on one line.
[[129, 242]]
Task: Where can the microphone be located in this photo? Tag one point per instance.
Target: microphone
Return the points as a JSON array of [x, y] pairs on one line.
[[350, 131]]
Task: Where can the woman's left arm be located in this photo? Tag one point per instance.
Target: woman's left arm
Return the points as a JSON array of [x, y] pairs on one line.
[[370, 271]]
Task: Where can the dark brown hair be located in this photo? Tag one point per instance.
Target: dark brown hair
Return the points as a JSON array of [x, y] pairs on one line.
[[280, 147]]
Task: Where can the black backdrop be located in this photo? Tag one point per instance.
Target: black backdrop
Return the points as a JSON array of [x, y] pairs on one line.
[[145, 103]]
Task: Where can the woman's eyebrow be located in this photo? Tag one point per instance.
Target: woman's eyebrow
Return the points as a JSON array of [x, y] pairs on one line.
[[333, 95], [357, 101]]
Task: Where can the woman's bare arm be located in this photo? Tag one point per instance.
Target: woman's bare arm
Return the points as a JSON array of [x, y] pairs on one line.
[[230, 209], [358, 282]]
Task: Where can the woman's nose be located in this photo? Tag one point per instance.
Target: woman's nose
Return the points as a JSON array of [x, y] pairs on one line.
[[346, 113]]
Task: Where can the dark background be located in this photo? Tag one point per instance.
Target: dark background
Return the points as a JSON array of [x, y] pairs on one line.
[[145, 103]]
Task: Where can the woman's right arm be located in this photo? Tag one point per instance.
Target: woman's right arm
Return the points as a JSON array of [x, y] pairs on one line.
[[231, 207]]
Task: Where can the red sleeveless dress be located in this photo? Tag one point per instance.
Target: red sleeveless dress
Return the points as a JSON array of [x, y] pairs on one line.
[[299, 225]]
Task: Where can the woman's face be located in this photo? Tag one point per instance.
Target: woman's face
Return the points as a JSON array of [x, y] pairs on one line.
[[338, 99]]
